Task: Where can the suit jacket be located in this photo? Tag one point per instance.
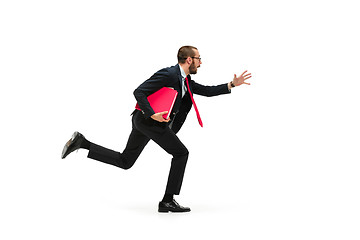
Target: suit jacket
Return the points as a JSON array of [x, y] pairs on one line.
[[171, 77]]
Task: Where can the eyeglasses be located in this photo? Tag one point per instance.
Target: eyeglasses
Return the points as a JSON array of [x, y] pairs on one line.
[[199, 58]]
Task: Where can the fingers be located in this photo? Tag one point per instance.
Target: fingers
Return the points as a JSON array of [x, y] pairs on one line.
[[162, 113], [247, 76], [161, 118], [164, 119]]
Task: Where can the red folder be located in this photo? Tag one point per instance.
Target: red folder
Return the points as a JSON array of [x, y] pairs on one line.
[[162, 100]]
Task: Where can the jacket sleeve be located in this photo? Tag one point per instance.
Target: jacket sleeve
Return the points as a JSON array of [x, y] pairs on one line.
[[154, 83], [209, 91]]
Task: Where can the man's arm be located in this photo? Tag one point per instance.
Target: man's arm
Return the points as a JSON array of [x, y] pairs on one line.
[[154, 83], [210, 91]]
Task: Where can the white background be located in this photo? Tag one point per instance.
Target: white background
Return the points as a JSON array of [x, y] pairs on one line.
[[278, 159]]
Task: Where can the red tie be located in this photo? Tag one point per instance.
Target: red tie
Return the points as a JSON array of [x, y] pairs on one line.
[[192, 99]]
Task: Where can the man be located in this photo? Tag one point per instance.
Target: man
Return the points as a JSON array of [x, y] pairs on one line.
[[147, 124]]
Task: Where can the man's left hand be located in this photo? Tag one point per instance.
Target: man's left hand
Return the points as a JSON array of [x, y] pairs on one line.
[[237, 81]]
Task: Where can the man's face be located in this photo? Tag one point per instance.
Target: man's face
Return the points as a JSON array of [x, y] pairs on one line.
[[196, 62]]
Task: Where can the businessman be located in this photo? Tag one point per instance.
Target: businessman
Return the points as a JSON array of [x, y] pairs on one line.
[[148, 124]]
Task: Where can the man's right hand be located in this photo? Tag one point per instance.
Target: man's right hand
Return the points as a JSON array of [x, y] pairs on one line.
[[159, 117]]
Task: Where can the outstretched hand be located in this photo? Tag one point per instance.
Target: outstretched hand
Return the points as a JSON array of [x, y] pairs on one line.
[[237, 81], [159, 117]]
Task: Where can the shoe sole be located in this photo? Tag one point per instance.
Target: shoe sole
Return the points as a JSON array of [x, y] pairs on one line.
[[162, 210]]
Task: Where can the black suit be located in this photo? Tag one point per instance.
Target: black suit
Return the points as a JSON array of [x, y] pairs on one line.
[[145, 128]]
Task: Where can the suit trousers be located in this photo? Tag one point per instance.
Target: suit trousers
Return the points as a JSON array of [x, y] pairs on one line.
[[142, 131]]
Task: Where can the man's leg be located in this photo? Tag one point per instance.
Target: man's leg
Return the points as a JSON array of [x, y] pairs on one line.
[[125, 160], [143, 131], [136, 143], [172, 145], [166, 139]]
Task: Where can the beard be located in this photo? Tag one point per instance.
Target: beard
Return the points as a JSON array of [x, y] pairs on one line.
[[193, 68]]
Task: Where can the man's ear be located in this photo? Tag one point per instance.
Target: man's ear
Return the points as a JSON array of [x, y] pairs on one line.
[[189, 60]]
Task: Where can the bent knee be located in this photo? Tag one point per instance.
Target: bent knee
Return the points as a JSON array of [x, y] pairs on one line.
[[183, 153], [186, 152]]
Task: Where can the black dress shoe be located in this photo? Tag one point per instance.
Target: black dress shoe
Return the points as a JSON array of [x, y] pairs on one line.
[[73, 144], [172, 206]]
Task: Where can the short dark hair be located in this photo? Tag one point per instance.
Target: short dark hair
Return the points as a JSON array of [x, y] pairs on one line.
[[185, 52]]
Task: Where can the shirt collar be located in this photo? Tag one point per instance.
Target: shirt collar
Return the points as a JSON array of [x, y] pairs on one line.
[[183, 74]]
